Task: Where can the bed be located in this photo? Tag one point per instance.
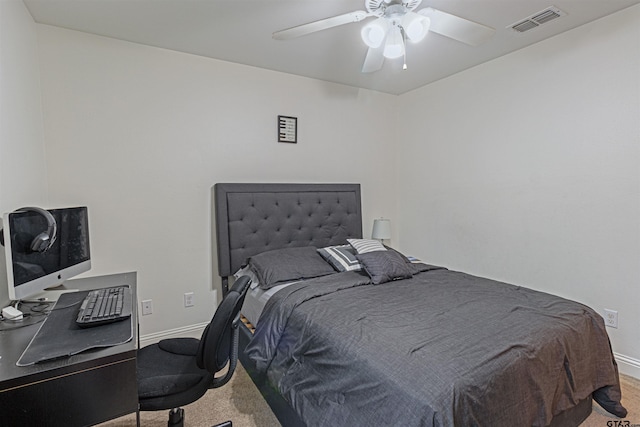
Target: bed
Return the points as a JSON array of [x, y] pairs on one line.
[[395, 342]]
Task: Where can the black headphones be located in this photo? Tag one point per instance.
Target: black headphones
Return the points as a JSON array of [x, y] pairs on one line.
[[44, 240]]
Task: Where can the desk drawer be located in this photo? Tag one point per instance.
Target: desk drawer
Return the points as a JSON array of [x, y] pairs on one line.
[[80, 398]]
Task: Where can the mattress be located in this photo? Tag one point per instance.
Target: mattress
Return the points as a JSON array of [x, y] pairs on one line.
[[440, 349], [256, 299]]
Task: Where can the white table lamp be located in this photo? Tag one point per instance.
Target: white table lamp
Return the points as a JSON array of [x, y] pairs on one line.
[[381, 229]]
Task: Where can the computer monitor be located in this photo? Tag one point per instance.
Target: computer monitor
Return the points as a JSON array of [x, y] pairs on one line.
[[32, 268]]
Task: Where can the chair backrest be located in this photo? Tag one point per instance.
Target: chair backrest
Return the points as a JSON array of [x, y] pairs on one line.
[[216, 347]]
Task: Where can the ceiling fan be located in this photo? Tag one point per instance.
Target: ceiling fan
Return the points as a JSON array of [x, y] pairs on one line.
[[396, 22]]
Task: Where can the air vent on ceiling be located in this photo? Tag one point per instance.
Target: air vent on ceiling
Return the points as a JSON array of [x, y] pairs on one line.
[[537, 19]]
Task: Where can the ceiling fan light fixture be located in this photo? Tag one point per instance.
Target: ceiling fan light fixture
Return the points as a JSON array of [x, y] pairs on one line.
[[415, 26], [396, 22], [394, 46], [374, 33]]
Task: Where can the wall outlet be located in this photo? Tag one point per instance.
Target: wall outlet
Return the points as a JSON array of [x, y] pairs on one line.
[[188, 299], [147, 307], [610, 318]]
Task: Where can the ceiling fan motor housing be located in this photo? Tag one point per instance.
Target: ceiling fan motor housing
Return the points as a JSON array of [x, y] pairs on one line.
[[395, 12], [378, 7], [396, 21]]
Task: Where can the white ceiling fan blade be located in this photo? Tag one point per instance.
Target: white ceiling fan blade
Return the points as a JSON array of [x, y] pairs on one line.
[[457, 28], [374, 59], [323, 24]]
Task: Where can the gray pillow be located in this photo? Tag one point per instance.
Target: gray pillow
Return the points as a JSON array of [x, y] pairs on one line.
[[288, 264], [385, 266]]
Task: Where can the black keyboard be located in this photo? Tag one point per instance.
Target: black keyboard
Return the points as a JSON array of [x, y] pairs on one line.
[[105, 305]]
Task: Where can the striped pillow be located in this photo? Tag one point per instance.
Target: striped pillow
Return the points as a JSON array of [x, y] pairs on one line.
[[342, 258], [362, 246]]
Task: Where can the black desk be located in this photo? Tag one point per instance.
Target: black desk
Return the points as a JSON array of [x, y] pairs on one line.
[[84, 389]]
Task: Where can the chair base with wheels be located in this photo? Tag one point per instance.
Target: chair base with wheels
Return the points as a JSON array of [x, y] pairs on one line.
[[176, 417], [178, 371]]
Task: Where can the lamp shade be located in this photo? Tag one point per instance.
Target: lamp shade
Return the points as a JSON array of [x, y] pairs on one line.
[[381, 229], [394, 45], [415, 26], [374, 33]]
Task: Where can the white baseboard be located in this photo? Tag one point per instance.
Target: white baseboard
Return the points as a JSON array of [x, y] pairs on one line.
[[194, 331], [628, 365]]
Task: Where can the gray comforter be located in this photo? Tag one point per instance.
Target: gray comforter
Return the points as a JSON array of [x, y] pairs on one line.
[[440, 349]]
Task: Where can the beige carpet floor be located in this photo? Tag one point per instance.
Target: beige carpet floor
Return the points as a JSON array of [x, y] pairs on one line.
[[240, 402]]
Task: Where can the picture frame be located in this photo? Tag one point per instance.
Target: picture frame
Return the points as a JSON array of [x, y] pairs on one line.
[[288, 129]]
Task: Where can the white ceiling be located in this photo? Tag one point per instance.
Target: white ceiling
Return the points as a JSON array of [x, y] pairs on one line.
[[240, 31]]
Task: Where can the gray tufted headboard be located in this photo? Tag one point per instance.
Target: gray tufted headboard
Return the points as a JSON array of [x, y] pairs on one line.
[[254, 218]]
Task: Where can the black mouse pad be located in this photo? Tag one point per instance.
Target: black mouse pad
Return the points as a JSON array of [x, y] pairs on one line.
[[59, 336]]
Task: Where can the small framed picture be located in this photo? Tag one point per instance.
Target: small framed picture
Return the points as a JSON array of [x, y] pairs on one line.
[[288, 129]]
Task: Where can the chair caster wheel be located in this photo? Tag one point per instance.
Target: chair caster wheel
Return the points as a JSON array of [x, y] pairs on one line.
[[176, 418]]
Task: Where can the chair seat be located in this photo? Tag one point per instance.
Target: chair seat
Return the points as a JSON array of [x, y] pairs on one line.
[[168, 376], [179, 371]]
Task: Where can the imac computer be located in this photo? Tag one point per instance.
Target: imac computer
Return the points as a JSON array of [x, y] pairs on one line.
[[44, 248]]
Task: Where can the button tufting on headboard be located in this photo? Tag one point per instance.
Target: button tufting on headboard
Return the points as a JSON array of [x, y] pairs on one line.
[[252, 218]]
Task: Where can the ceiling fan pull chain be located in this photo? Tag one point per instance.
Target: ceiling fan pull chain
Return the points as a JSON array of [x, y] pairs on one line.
[[404, 50]]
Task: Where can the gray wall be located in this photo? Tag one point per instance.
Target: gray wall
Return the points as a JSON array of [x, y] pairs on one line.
[[524, 169], [141, 134], [23, 173], [527, 169]]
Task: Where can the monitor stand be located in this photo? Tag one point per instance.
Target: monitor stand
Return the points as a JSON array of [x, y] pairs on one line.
[[50, 294]]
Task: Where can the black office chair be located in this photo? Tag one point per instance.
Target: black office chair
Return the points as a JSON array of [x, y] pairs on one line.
[[178, 371]]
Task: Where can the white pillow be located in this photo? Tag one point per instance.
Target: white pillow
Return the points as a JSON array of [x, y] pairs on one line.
[[362, 246], [248, 271]]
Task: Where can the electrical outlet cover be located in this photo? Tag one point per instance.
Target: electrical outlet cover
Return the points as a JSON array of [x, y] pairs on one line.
[[188, 299], [147, 307], [610, 318]]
